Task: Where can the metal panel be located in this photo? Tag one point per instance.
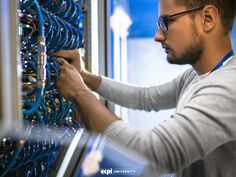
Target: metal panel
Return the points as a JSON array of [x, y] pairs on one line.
[[10, 68]]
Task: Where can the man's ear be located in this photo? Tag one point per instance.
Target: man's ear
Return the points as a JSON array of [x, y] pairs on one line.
[[210, 17]]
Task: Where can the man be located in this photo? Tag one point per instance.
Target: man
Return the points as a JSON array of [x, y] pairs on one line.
[[199, 139]]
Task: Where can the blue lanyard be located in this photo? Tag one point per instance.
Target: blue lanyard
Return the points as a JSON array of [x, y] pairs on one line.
[[226, 57]]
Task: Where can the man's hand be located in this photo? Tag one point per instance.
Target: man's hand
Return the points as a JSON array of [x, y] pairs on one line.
[[72, 57], [72, 87], [70, 82]]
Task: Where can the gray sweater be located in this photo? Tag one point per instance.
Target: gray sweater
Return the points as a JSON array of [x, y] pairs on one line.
[[199, 139]]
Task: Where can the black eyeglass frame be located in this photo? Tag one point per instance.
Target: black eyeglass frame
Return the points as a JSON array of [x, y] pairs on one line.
[[163, 20]]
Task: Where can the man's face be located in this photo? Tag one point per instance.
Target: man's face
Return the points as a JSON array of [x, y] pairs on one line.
[[182, 42]]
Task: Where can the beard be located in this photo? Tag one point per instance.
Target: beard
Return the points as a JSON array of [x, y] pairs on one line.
[[192, 53]]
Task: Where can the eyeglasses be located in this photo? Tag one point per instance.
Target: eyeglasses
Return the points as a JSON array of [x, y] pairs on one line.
[[164, 20]]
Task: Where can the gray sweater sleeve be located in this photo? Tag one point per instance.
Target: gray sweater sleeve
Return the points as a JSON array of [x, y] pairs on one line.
[[206, 122], [150, 98]]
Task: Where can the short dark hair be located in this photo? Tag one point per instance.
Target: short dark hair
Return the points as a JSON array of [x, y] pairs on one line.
[[226, 9]]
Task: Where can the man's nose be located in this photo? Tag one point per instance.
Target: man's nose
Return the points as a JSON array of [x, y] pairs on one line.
[[159, 36]]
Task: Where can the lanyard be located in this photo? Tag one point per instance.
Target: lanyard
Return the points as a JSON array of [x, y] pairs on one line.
[[226, 57]]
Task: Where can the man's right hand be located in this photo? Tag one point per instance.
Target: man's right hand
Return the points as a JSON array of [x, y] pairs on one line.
[[73, 57]]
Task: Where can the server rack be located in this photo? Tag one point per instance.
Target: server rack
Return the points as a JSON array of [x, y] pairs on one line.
[[37, 124], [38, 128]]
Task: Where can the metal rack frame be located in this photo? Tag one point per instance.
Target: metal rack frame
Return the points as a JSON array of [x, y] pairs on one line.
[[10, 69]]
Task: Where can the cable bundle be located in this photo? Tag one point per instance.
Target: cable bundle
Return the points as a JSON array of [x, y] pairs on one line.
[[46, 26]]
